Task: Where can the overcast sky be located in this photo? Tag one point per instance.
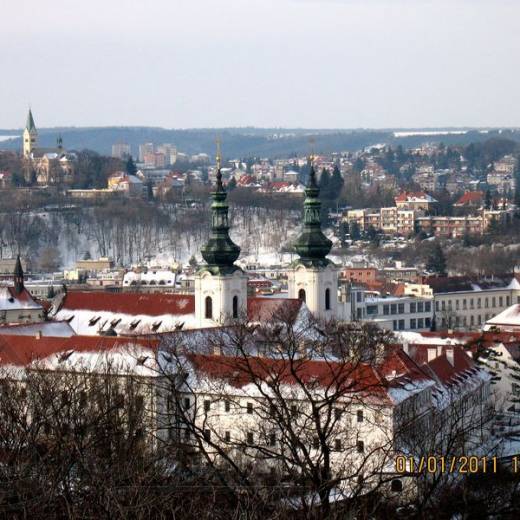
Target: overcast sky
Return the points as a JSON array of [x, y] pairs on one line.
[[291, 63]]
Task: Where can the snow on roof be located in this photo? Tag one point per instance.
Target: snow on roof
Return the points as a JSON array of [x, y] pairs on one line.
[[11, 300], [46, 328], [100, 354], [508, 317], [416, 338], [92, 323], [419, 196], [151, 277]]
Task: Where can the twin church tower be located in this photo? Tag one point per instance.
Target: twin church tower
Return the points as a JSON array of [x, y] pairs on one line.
[[221, 286]]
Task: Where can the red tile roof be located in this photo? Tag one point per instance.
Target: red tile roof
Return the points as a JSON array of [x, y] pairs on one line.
[[445, 371], [22, 350], [154, 304], [470, 197], [264, 309], [362, 378], [240, 371]]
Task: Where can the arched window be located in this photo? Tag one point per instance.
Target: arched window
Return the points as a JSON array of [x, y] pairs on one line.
[[235, 306], [208, 308], [327, 299], [301, 295]]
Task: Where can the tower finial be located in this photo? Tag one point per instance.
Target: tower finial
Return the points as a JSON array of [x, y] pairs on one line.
[[220, 186], [219, 152]]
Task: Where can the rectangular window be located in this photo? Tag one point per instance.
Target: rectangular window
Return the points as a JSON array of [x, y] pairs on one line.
[[272, 439], [371, 310], [337, 444], [360, 446], [249, 408], [443, 305], [464, 303], [479, 303], [294, 410], [420, 307], [401, 324], [436, 306], [471, 306], [337, 413], [250, 438], [315, 443], [456, 305], [413, 307], [187, 403], [427, 322], [386, 310], [395, 324], [207, 435], [360, 416], [227, 436], [412, 323], [207, 406], [227, 406], [428, 306], [508, 301], [420, 323], [393, 308], [400, 308], [479, 319], [449, 305], [486, 303], [493, 302]]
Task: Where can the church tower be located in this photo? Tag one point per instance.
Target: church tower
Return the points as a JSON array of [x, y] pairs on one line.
[[220, 285], [313, 278], [30, 135], [18, 276]]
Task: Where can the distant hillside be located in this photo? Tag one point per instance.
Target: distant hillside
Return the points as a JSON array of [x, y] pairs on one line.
[[243, 142]]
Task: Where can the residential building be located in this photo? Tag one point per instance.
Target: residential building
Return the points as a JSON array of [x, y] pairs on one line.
[[467, 304], [121, 150], [403, 313]]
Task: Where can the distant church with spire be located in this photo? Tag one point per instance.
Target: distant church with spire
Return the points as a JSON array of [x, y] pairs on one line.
[[45, 166]]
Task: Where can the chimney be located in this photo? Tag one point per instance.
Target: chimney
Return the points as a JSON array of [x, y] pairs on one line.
[[432, 353], [38, 334], [450, 355]]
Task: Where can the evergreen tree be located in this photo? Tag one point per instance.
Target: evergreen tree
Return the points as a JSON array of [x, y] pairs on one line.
[[488, 201], [343, 232], [355, 233], [149, 190], [232, 184], [131, 168], [436, 261], [325, 184], [336, 183]]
